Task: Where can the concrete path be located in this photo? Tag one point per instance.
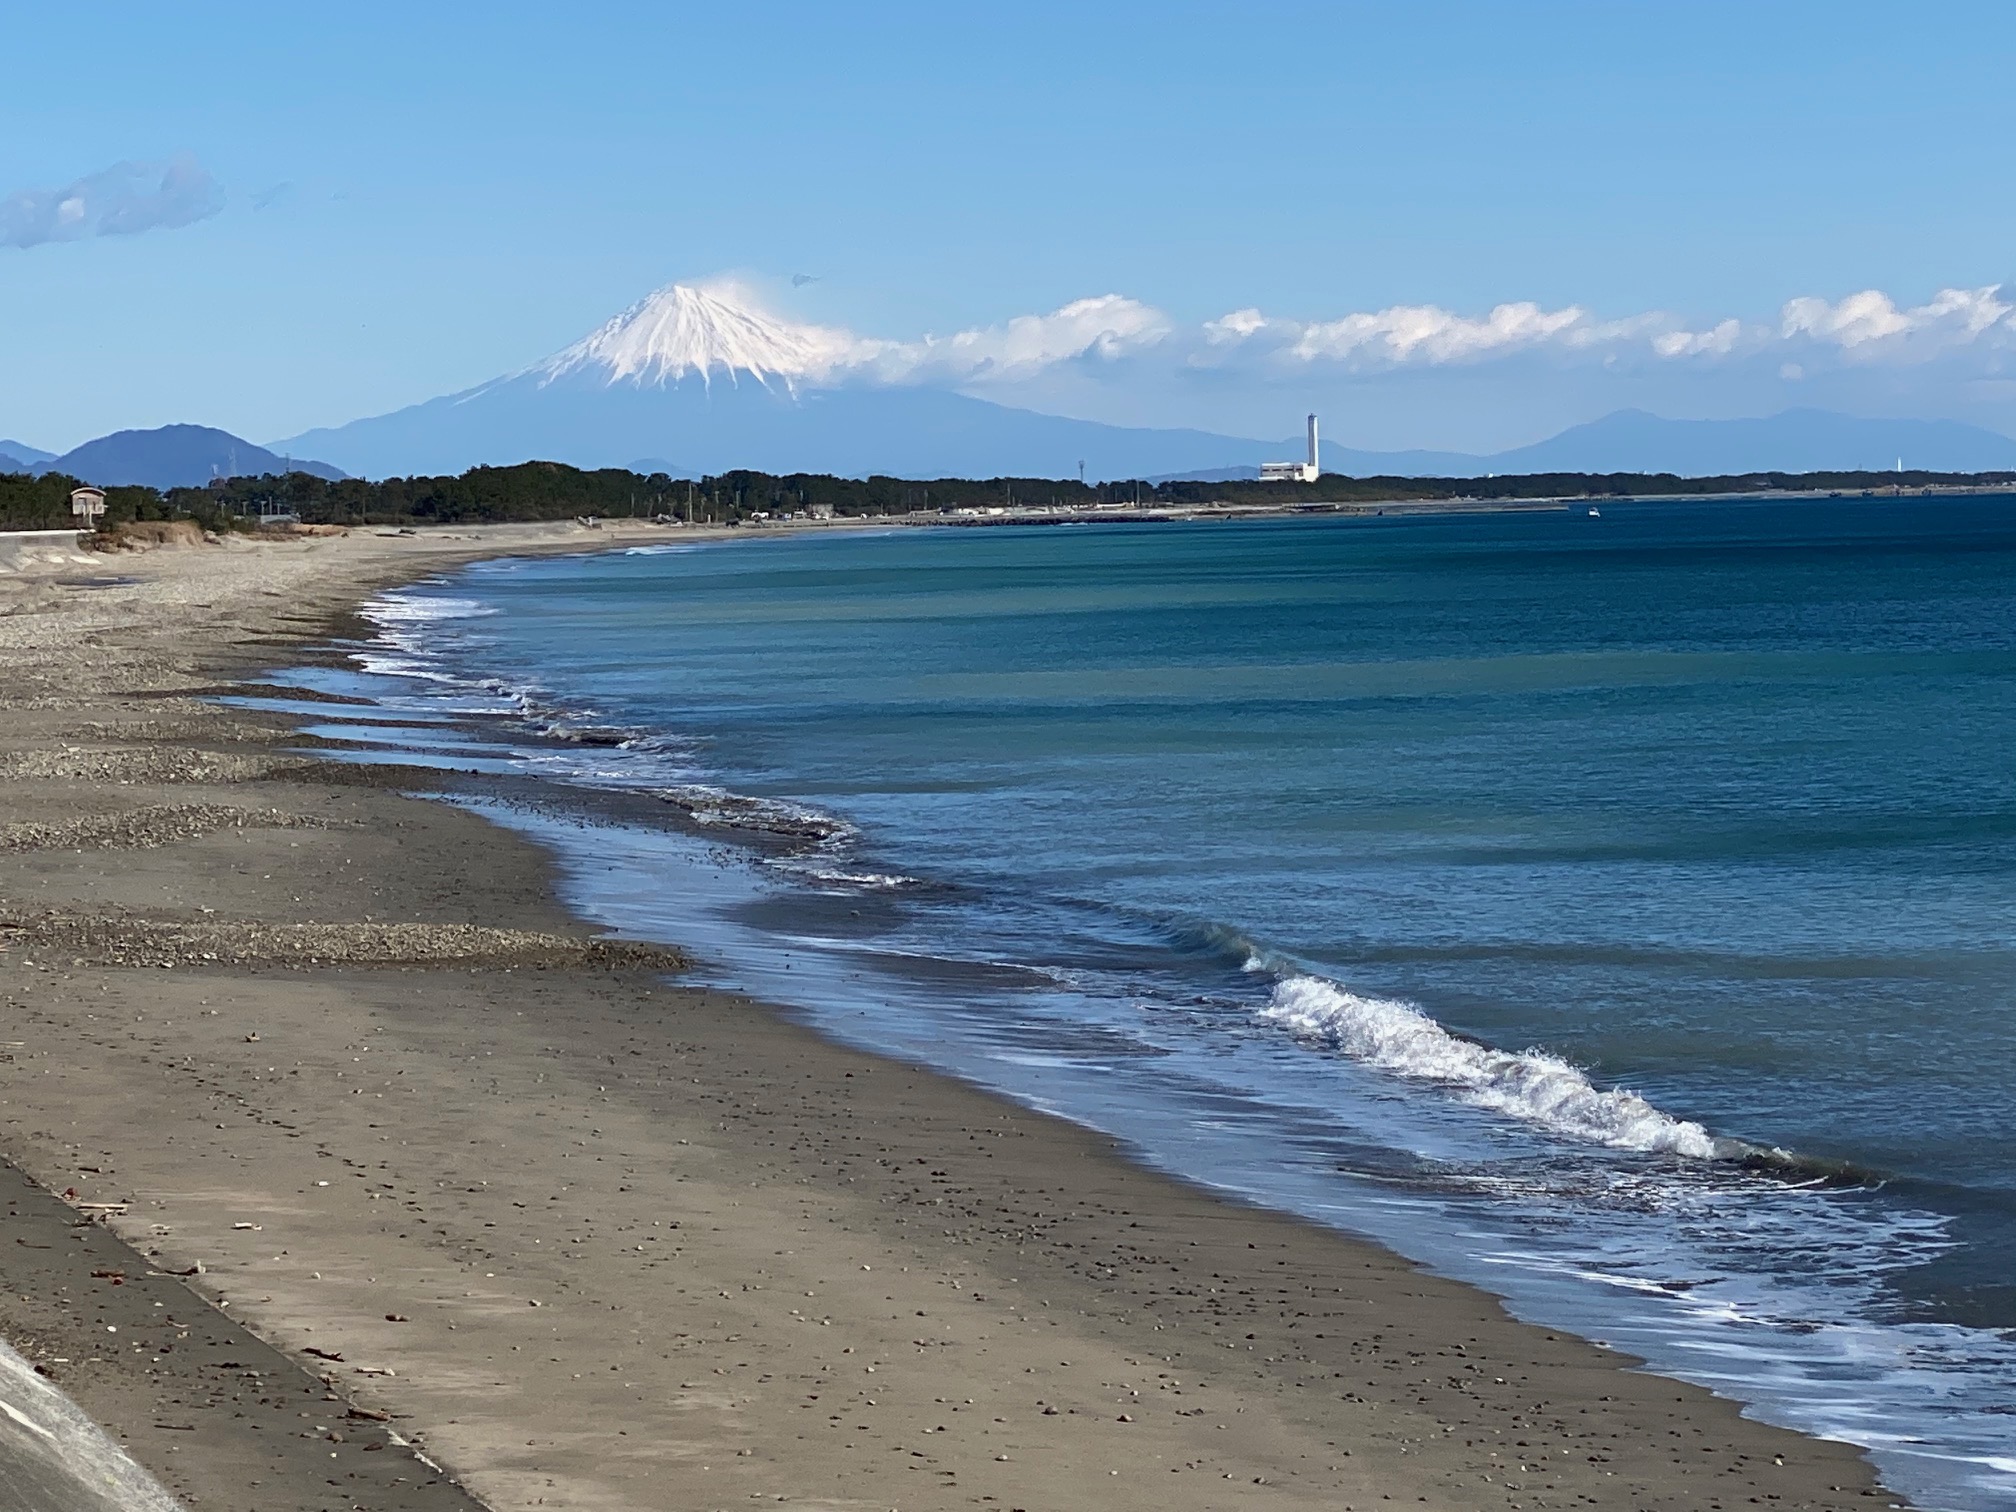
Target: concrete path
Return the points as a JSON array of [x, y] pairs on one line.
[[55, 1459]]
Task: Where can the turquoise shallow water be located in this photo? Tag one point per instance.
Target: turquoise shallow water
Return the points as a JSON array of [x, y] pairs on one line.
[[1619, 912]]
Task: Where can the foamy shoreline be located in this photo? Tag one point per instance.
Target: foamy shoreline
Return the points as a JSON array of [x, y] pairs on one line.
[[533, 1134]]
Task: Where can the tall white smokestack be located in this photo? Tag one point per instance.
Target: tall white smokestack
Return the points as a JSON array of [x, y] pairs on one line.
[[1315, 462]]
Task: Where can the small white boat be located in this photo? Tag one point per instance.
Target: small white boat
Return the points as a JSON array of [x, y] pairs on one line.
[[1595, 513]]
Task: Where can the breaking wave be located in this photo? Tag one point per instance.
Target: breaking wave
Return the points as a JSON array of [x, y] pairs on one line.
[[717, 807], [667, 548], [1532, 1085], [392, 611]]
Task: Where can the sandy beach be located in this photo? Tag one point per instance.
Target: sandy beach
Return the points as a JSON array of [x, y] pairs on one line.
[[402, 1190]]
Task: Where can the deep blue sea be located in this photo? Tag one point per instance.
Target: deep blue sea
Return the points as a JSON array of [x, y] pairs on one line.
[[1618, 912]]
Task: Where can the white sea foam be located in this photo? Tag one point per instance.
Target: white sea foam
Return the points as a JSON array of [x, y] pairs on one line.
[[410, 609], [872, 879], [1533, 1086], [401, 666], [403, 624]]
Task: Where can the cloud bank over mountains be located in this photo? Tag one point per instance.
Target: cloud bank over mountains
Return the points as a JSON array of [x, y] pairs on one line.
[[1869, 327], [1405, 375], [1107, 328], [1382, 376], [700, 379], [123, 200]]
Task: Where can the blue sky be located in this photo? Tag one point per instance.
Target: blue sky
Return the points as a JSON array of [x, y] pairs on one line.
[[409, 200]]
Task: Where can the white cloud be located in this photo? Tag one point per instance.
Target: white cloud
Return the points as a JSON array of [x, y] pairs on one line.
[[1870, 321], [1717, 341], [1106, 327], [1398, 335], [122, 200], [1429, 333], [1868, 326], [1236, 326], [1431, 336]]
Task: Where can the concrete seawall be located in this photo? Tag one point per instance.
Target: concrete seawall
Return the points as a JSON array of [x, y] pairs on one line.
[[55, 1459], [23, 549]]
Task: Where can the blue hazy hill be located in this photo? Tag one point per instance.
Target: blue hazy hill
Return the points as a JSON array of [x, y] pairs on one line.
[[579, 418], [174, 456], [19, 456], [923, 432], [1795, 440]]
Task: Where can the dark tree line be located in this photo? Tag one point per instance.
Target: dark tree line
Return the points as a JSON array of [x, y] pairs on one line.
[[554, 491]]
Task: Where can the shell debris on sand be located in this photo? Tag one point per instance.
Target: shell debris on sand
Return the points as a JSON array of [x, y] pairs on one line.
[[122, 941], [130, 765], [144, 828]]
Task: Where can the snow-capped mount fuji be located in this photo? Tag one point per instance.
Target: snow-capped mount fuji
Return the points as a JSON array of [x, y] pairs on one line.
[[681, 331], [705, 377]]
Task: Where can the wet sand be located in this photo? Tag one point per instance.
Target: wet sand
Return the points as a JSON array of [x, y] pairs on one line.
[[395, 1155]]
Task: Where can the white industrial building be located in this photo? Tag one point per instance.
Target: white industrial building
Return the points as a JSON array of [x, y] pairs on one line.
[[1295, 472]]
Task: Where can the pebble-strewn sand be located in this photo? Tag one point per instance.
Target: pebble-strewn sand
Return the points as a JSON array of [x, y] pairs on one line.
[[324, 1068]]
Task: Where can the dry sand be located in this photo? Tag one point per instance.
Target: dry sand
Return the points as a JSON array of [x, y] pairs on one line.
[[398, 1155]]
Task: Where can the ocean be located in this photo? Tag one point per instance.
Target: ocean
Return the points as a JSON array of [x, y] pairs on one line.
[[1616, 912]]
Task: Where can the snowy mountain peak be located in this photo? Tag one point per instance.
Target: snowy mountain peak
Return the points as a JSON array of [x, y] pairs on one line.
[[681, 329]]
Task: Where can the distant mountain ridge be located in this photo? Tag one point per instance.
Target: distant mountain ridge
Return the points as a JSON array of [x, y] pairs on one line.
[[906, 432], [693, 374], [1633, 441], [966, 440], [1794, 440], [19, 456], [169, 456]]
